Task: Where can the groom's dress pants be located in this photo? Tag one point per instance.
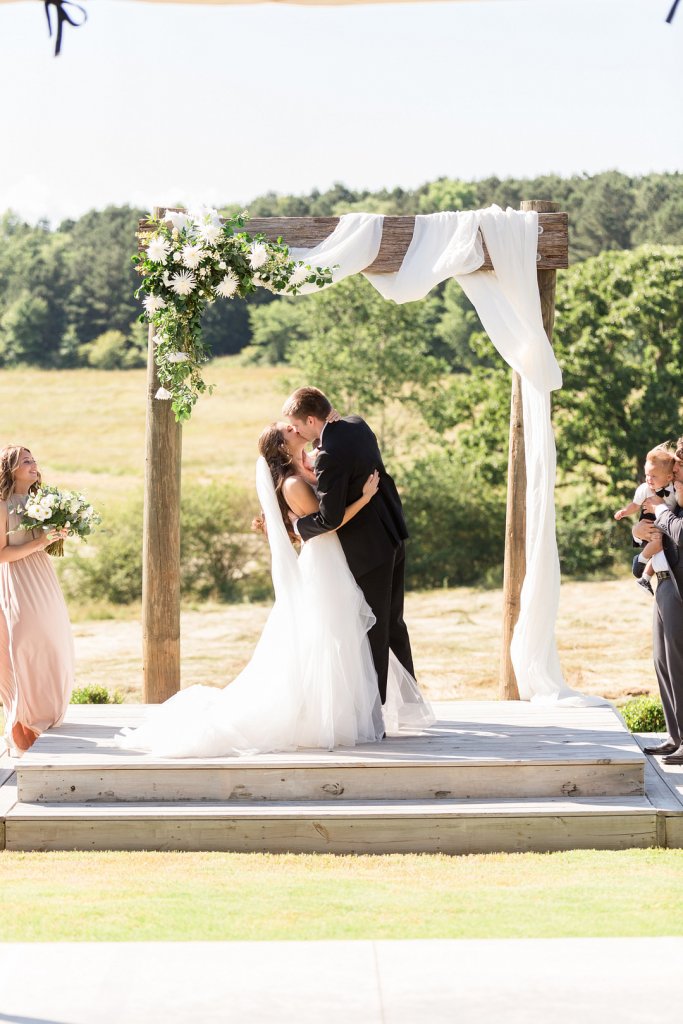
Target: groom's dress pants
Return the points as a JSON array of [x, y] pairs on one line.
[[383, 589], [668, 655]]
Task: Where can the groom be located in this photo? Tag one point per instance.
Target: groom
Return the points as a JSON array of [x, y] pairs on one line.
[[374, 540]]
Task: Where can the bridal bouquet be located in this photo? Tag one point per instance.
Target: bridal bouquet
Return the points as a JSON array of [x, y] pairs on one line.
[[190, 260], [48, 508]]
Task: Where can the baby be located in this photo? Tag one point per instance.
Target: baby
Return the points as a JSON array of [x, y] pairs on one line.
[[659, 466]]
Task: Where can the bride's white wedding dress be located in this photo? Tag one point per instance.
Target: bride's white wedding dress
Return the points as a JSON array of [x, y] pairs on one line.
[[311, 681]]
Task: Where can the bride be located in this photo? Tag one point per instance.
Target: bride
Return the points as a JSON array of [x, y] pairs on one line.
[[311, 681]]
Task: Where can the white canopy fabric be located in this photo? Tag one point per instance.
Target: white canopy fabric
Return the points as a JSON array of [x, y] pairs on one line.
[[446, 245]]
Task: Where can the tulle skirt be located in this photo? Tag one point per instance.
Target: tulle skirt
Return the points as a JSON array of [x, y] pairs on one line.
[[311, 681]]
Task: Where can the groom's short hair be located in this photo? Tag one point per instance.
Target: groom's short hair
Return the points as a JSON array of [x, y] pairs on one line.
[[306, 402]]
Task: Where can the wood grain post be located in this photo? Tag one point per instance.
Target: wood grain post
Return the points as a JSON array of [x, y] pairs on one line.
[[515, 515], [160, 545]]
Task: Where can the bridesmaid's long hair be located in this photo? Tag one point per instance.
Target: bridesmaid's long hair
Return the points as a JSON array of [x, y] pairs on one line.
[[9, 460], [272, 445]]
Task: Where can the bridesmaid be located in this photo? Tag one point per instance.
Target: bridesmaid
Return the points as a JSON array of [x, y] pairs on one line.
[[36, 646]]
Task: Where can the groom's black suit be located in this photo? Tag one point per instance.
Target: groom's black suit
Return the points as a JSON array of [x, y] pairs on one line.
[[373, 541]]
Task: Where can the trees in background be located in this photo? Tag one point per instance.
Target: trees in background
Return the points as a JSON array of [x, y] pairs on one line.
[[61, 290]]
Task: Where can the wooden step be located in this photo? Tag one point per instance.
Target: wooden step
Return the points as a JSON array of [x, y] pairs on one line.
[[478, 750], [449, 826]]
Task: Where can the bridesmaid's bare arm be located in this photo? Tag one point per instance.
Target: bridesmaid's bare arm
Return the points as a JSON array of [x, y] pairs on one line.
[[9, 553]]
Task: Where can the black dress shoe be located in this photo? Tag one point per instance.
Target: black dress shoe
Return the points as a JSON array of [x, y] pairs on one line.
[[662, 748], [638, 567], [676, 758]]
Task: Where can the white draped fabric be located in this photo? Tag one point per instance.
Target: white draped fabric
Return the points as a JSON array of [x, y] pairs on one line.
[[446, 245]]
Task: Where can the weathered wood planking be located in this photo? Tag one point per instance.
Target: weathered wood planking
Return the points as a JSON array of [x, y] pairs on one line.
[[464, 827], [664, 795], [307, 232], [8, 799], [435, 782]]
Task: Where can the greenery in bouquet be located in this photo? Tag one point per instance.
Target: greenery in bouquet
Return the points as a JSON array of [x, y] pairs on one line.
[[48, 508], [192, 259]]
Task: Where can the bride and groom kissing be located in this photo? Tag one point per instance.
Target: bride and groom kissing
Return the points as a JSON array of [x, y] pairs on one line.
[[333, 666]]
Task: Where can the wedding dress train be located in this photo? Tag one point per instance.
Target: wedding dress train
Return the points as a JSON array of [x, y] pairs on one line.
[[311, 681]]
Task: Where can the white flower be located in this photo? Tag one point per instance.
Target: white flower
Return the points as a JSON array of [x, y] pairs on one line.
[[180, 221], [67, 525], [158, 339], [183, 282], [222, 265], [205, 215], [192, 256], [153, 303], [177, 357], [299, 275], [258, 255], [163, 395], [210, 233], [177, 257], [158, 249], [228, 286], [167, 279]]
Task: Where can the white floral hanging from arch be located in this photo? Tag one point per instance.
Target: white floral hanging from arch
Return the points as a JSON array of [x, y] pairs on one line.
[[191, 259]]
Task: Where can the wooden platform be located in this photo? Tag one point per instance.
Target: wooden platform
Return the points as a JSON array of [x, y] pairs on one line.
[[488, 776]]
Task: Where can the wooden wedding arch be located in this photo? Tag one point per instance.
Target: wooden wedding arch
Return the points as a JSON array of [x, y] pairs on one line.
[[163, 445]]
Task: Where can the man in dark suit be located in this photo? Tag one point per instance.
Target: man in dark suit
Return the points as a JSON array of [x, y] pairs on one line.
[[374, 540], [668, 616]]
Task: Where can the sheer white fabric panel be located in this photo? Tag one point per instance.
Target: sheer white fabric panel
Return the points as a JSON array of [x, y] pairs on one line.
[[448, 245], [352, 246]]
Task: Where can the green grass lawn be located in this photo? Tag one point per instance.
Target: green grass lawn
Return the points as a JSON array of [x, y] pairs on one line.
[[203, 896]]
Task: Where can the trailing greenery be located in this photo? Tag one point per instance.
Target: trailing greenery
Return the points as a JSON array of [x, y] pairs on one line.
[[190, 260], [95, 695], [644, 714]]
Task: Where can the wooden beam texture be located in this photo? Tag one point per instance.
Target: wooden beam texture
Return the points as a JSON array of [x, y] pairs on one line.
[[307, 232], [160, 545]]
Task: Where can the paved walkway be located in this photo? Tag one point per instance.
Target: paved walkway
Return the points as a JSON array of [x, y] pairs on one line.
[[526, 981]]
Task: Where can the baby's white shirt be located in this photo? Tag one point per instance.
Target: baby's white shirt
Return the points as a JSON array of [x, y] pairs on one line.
[[643, 492]]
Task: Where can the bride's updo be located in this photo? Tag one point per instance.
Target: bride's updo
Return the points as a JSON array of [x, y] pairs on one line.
[[272, 445]]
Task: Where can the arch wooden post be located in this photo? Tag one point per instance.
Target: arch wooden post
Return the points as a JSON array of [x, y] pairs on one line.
[[515, 514], [160, 544]]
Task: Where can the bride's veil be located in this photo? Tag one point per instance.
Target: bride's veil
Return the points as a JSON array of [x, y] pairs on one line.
[[285, 567]]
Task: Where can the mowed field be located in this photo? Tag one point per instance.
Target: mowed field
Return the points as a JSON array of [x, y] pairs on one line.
[[86, 428]]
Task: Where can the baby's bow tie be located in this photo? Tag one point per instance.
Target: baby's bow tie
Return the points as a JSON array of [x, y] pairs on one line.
[[662, 492]]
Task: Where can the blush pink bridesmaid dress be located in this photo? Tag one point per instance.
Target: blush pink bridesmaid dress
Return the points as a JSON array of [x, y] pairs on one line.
[[36, 644]]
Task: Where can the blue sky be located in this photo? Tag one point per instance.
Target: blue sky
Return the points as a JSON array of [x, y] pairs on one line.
[[160, 103]]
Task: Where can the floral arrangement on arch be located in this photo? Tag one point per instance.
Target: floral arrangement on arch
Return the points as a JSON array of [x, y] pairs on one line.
[[192, 259]]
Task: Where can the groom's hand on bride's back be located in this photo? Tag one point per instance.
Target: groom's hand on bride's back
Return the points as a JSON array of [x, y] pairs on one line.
[[333, 417]]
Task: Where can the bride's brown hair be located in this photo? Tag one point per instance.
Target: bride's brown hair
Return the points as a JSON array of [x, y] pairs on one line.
[[272, 445], [9, 460]]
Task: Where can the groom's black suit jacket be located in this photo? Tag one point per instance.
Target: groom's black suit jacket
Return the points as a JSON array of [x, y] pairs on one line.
[[349, 453]]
